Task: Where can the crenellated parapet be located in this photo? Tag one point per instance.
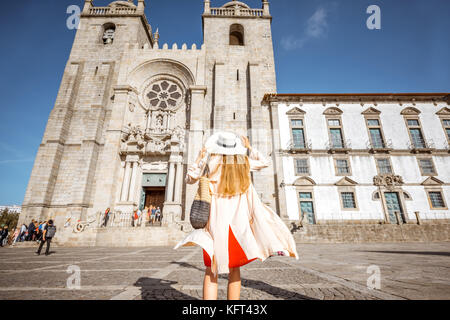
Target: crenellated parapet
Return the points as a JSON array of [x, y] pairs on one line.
[[174, 47]]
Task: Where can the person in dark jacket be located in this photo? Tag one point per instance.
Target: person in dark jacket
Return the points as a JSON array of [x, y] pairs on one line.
[[4, 235], [47, 236], [31, 228]]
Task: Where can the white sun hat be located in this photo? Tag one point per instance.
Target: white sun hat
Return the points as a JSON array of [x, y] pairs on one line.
[[225, 143]]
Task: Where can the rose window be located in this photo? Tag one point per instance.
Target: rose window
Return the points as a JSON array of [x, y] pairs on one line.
[[165, 94]]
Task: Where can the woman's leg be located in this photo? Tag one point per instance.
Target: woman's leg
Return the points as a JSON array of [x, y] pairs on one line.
[[210, 285], [234, 284]]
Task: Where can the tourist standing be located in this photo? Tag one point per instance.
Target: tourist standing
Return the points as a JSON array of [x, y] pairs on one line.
[[240, 228], [135, 218], [153, 215], [146, 215], [16, 235], [158, 214], [106, 217], [4, 235], [47, 236], [23, 230], [30, 231], [139, 213]]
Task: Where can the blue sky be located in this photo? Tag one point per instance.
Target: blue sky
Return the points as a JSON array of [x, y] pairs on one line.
[[321, 46]]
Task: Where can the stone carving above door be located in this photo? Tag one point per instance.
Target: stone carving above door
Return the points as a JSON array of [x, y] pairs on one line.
[[389, 181]]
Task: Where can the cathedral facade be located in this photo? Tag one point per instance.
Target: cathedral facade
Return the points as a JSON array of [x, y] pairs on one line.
[[132, 114]]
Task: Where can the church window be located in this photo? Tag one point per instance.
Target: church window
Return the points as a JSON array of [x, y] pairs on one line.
[[164, 94], [236, 35], [109, 31]]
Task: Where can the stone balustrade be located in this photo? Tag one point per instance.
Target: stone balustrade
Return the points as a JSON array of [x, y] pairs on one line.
[[107, 11], [237, 12]]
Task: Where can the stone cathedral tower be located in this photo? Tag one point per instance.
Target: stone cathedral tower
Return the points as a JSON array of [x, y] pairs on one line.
[[131, 113]]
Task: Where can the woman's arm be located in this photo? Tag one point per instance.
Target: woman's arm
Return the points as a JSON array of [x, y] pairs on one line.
[[257, 161], [194, 172]]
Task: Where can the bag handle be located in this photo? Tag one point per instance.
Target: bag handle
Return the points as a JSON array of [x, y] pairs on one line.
[[205, 170]]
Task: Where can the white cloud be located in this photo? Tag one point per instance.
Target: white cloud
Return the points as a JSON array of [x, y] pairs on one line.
[[317, 24], [316, 27]]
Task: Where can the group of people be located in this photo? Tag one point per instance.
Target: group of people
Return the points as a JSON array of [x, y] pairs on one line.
[[152, 214], [41, 232]]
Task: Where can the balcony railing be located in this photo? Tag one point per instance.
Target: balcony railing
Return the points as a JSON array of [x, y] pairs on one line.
[[295, 147], [421, 146], [120, 219], [107, 11], [379, 146], [339, 146], [237, 12]]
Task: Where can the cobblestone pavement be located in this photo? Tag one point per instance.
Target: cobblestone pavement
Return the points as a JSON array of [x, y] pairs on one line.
[[338, 271]]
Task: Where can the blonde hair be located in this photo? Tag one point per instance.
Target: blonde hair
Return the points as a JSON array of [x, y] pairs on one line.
[[235, 176]]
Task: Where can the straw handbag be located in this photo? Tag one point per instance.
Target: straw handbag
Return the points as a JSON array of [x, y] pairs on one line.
[[202, 203]]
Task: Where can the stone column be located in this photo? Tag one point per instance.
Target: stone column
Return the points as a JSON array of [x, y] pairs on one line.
[[169, 194], [195, 139], [266, 10], [179, 182], [207, 7], [278, 163], [141, 6], [131, 194], [165, 121], [87, 6], [126, 182]]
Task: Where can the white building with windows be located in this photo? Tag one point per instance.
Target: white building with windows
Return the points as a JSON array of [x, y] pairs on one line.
[[363, 158], [11, 209]]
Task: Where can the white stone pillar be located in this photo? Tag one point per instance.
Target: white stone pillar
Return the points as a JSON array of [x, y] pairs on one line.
[[141, 6], [165, 122], [87, 6], [179, 182], [207, 6], [169, 197], [149, 120], [131, 194], [126, 182]]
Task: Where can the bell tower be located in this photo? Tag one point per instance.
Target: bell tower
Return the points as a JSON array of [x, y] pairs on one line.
[[240, 70]]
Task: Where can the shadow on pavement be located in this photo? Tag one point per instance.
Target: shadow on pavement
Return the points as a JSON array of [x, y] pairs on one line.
[[259, 285], [159, 289], [426, 253]]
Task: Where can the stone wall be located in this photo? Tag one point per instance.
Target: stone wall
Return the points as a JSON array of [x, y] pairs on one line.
[[364, 233]]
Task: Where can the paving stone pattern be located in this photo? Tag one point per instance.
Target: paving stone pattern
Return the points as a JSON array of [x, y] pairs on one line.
[[324, 272]]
